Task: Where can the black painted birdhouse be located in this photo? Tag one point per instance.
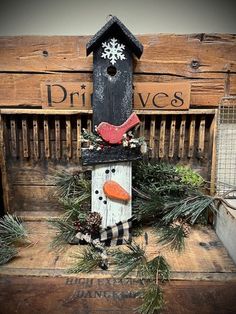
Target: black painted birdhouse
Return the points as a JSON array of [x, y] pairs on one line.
[[113, 48]]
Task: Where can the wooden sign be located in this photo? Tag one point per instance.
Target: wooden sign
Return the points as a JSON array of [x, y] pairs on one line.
[[146, 96]]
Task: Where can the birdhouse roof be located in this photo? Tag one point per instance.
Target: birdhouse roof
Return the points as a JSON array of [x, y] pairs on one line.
[[114, 26]]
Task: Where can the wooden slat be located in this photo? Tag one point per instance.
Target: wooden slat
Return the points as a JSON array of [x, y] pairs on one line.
[[182, 137], [191, 136], [78, 137], [172, 137], [152, 136], [25, 143], [36, 138], [3, 165], [58, 137], [74, 112], [89, 129], [68, 138], [162, 137], [213, 132], [201, 136], [46, 137], [142, 126], [13, 137]]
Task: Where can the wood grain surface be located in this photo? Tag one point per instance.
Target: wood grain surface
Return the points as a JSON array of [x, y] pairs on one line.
[[207, 61], [203, 279]]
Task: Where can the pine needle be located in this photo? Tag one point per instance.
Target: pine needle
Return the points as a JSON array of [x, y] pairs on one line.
[[172, 236], [87, 261], [128, 261], [153, 300], [191, 208], [65, 232], [72, 185], [12, 230], [6, 253]]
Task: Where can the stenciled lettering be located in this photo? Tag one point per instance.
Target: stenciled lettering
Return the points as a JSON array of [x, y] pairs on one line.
[[142, 100], [178, 100], [49, 94], [159, 95]]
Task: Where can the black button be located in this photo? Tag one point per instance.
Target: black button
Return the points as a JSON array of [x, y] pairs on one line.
[[100, 198], [113, 170], [96, 192], [107, 171]]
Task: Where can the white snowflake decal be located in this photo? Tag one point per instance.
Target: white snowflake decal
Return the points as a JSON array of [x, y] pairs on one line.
[[113, 51]]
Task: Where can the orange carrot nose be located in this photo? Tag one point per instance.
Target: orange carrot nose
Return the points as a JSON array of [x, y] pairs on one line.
[[114, 191]]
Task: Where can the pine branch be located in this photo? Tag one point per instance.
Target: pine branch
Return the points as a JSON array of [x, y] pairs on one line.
[[6, 252], [172, 236], [65, 232], [191, 208], [153, 299], [72, 186], [74, 210], [87, 260], [128, 261], [12, 230]]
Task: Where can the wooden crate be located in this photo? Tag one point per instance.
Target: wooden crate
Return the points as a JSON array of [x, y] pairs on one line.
[[38, 143]]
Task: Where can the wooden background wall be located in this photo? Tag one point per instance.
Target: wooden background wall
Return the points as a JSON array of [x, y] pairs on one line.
[[207, 61]]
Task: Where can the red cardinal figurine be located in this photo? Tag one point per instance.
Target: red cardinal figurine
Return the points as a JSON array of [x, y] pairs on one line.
[[113, 133]]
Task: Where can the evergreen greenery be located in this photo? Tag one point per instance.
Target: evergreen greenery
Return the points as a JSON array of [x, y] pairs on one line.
[[73, 185], [163, 194], [172, 236], [153, 299], [6, 252], [12, 230], [65, 231], [86, 261]]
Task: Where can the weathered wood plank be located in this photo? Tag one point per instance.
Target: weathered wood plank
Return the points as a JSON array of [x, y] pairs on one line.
[[232, 85], [25, 143], [112, 211], [37, 198], [27, 87], [3, 164], [191, 136], [162, 52], [162, 137], [213, 133], [58, 137], [78, 137], [152, 136], [205, 91], [142, 126], [181, 150], [172, 137], [36, 138], [105, 295], [201, 136], [46, 137], [13, 137], [68, 138]]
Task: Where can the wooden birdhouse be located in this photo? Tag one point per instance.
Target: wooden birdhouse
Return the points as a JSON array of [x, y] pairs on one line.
[[113, 49]]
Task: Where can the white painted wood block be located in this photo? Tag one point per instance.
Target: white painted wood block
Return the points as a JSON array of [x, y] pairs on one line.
[[112, 211]]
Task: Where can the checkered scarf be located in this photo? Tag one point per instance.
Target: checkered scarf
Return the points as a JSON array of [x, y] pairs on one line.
[[118, 234]]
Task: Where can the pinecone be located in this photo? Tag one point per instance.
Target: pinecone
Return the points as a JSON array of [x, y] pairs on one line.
[[93, 222], [185, 226]]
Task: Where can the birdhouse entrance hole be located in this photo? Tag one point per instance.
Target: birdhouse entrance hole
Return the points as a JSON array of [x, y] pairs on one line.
[[111, 70]]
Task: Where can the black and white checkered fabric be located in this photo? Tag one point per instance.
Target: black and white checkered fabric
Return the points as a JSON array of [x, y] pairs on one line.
[[118, 234]]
